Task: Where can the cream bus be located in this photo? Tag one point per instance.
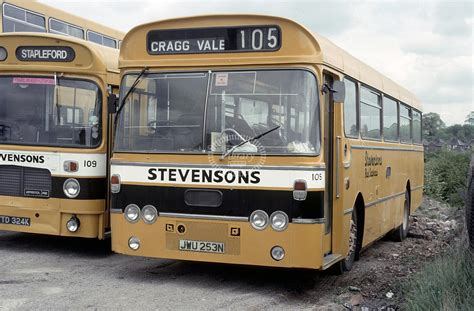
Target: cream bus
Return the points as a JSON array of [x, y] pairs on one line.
[[34, 16], [54, 127], [250, 140]]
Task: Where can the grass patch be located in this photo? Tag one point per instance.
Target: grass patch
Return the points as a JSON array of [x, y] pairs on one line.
[[444, 284]]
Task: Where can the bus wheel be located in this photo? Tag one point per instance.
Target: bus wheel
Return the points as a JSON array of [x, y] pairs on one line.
[[347, 263], [400, 233]]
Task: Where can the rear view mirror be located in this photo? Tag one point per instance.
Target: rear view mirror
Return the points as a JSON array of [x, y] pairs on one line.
[[112, 101], [338, 91]]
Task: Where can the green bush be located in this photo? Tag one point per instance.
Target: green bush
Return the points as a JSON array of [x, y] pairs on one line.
[[445, 284], [445, 176]]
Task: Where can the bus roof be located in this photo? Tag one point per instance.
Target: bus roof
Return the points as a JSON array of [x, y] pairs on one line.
[[299, 46], [89, 57], [64, 16]]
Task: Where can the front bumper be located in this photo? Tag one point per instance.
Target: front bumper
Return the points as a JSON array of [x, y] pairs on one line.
[[49, 216], [243, 244]]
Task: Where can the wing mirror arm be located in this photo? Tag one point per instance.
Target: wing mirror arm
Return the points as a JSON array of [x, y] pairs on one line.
[[338, 91]]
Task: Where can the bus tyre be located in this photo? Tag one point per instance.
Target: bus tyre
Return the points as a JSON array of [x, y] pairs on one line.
[[470, 205], [347, 263], [400, 233]]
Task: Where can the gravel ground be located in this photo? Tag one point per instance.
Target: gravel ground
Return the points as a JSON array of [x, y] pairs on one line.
[[43, 272]]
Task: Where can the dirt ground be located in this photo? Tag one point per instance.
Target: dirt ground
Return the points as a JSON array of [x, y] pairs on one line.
[[374, 282], [43, 272]]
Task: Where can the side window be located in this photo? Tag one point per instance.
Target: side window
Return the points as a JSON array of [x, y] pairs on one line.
[[350, 109], [62, 28], [101, 39], [111, 43], [19, 20], [390, 119], [94, 37], [76, 32], [416, 127], [57, 27], [405, 124], [370, 111]]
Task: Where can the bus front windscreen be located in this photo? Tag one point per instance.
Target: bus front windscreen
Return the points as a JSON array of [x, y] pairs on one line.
[[48, 111], [216, 111]]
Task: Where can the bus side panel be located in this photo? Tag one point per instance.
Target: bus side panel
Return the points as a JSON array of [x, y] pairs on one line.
[[382, 176], [416, 181]]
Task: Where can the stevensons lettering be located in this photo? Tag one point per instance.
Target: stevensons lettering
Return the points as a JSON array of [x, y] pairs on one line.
[[214, 40], [45, 53], [21, 158], [205, 176], [371, 164], [89, 165]]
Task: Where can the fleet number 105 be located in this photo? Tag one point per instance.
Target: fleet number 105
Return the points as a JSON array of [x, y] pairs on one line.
[[259, 38]]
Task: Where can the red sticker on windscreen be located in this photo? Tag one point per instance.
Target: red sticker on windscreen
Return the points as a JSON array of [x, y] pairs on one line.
[[42, 81]]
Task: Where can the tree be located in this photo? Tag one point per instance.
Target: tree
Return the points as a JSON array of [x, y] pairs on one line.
[[455, 130], [432, 125], [470, 118]]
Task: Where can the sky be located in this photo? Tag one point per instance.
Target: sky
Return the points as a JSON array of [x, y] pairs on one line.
[[426, 46]]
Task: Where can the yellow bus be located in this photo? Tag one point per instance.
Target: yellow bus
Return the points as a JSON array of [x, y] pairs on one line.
[[250, 140], [54, 127], [33, 16]]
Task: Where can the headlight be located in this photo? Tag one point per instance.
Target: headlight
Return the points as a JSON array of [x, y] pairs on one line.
[[259, 219], [71, 188], [278, 253], [3, 54], [132, 213], [279, 221], [134, 243], [149, 214], [73, 224]]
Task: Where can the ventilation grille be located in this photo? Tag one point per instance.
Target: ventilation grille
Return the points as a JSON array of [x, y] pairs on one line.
[[24, 181]]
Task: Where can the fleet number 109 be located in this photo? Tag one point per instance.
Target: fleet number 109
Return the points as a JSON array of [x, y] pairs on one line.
[[90, 163], [317, 176], [259, 38]]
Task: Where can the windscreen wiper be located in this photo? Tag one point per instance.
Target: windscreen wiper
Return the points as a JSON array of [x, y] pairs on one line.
[[130, 91], [231, 150]]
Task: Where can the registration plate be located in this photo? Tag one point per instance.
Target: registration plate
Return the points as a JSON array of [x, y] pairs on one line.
[[201, 246], [17, 221]]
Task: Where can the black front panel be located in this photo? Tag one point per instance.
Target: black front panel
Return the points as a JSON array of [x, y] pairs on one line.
[[91, 188], [31, 182], [236, 202], [25, 181]]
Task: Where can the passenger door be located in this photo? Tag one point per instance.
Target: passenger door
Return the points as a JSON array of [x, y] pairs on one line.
[[337, 226]]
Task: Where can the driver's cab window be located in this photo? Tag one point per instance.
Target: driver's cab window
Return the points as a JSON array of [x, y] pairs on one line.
[[165, 112], [277, 102], [75, 109]]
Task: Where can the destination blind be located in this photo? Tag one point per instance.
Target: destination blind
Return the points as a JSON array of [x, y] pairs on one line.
[[214, 40], [45, 53]]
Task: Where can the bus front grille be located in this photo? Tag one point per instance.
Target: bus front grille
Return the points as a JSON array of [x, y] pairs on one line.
[[24, 181]]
